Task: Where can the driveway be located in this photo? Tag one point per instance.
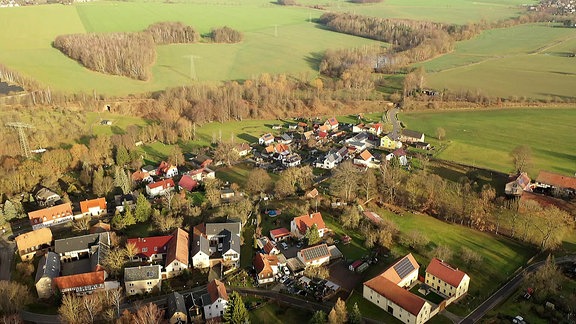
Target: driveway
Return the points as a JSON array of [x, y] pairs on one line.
[[392, 115]]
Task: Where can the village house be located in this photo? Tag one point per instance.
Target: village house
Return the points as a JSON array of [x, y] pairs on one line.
[[518, 185], [48, 269], [266, 245], [214, 243], [285, 139], [242, 149], [177, 313], [447, 280], [51, 216], [376, 129], [399, 154], [314, 256], [332, 159], [215, 301], [202, 174], [556, 182], [33, 243], [167, 170], [266, 267], [45, 197], [365, 158], [93, 207], [160, 188], [187, 183], [81, 284], [150, 169], [150, 249], [332, 123], [389, 144], [386, 291], [266, 139], [410, 136], [79, 247], [177, 256], [300, 224], [312, 194], [362, 141], [280, 234], [141, 176], [142, 279], [292, 160]]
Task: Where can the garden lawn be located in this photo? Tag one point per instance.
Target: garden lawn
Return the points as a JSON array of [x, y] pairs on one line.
[[355, 249], [486, 138], [275, 313], [119, 123], [234, 174]]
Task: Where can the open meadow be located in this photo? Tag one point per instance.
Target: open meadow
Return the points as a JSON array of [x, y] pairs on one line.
[[276, 40], [530, 60], [486, 138]]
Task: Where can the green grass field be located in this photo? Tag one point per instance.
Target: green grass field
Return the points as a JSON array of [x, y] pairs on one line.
[[277, 40], [527, 60], [486, 138], [275, 313]]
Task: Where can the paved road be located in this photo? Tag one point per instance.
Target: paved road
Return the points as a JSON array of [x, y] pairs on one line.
[[392, 118], [40, 318], [508, 289]]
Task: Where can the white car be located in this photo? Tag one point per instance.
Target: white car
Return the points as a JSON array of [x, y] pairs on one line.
[[286, 271], [284, 245]]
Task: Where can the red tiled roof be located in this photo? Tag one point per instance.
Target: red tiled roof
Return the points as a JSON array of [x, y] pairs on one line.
[[151, 245], [51, 213], [445, 272], [280, 232], [178, 247], [332, 121], [216, 289], [79, 280], [397, 295], [140, 175], [166, 183], [312, 193], [86, 205], [187, 183], [556, 180], [262, 266], [305, 221], [399, 152], [375, 218], [99, 228], [269, 247]]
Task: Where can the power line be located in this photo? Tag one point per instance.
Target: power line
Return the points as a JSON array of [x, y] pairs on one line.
[[22, 136]]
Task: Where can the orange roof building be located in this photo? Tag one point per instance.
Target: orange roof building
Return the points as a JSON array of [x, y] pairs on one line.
[[177, 256], [31, 243], [216, 300], [81, 283], [51, 216], [551, 179], [300, 224], [93, 207]]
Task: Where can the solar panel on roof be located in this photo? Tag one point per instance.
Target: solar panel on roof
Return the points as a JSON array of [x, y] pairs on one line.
[[404, 267]]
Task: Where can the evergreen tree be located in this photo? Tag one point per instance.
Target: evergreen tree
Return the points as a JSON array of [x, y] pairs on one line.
[[312, 235], [236, 312], [143, 209], [122, 180], [338, 314], [318, 318], [128, 216], [10, 211], [117, 220], [355, 317], [98, 182], [122, 156]]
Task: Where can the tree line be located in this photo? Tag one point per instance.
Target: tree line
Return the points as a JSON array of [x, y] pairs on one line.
[[170, 32]]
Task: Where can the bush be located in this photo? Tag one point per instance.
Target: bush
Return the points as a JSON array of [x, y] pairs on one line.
[[226, 35], [169, 32]]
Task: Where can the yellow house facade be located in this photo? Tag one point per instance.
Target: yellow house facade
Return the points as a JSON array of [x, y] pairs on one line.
[[446, 280]]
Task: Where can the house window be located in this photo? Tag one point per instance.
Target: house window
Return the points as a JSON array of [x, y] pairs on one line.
[[131, 291], [149, 283], [131, 285], [155, 248], [144, 250]]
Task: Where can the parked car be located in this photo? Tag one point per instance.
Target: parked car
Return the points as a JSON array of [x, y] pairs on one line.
[[286, 271], [518, 320], [299, 245], [284, 245]]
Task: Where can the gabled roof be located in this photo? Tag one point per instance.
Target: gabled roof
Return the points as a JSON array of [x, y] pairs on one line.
[[34, 238], [45, 194], [263, 263], [176, 304], [86, 205], [178, 247], [216, 289], [315, 252], [48, 266], [445, 272], [312, 193], [187, 183], [402, 268], [269, 246], [80, 280], [411, 133], [166, 183], [142, 273], [267, 137], [556, 180], [99, 227], [399, 152], [50, 213], [280, 232], [332, 121], [366, 155], [140, 175], [147, 246], [230, 232], [82, 242], [305, 221], [396, 294]]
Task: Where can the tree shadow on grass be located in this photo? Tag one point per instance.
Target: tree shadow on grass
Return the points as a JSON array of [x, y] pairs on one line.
[[248, 138], [314, 60]]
